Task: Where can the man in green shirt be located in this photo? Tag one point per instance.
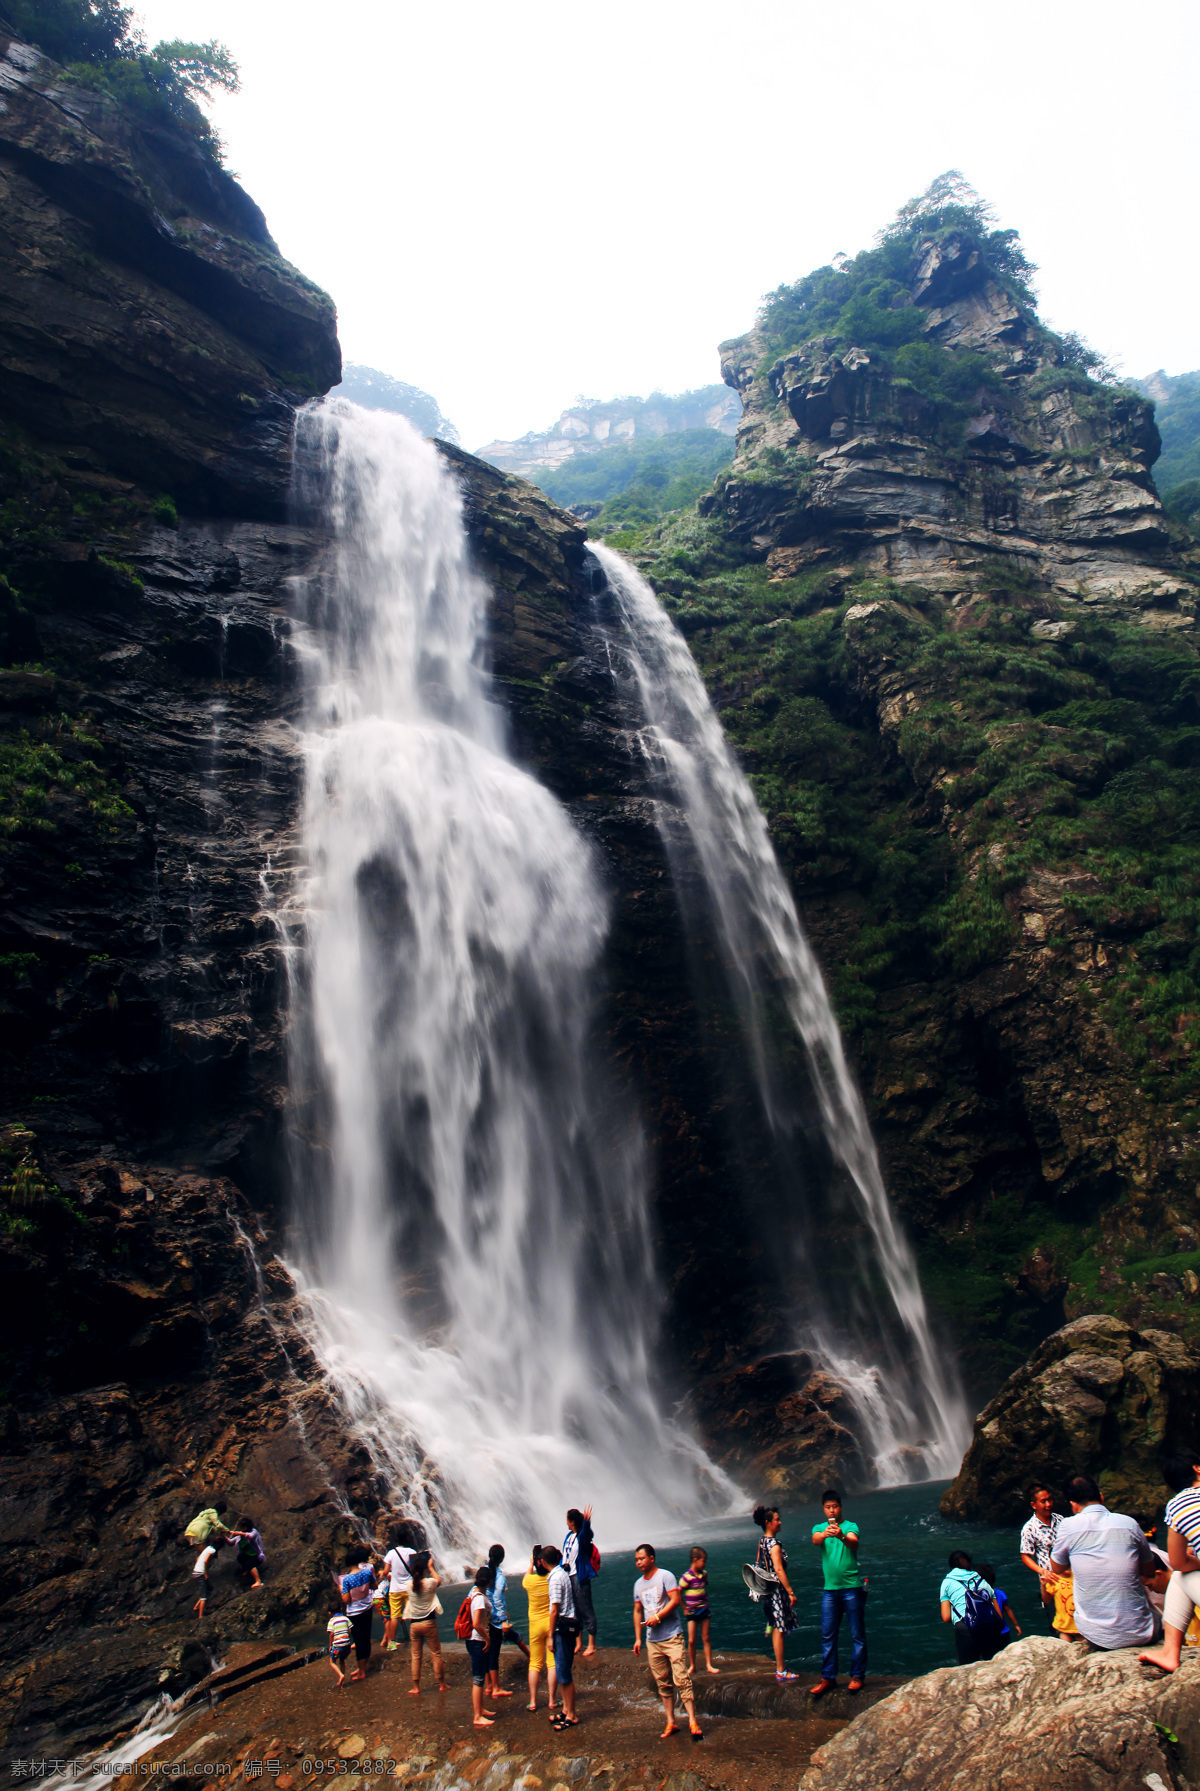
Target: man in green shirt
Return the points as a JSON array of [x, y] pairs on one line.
[[845, 1590]]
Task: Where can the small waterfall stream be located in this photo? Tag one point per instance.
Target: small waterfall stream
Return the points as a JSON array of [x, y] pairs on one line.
[[906, 1393], [474, 1243]]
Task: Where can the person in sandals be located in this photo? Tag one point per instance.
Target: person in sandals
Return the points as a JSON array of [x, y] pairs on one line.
[[780, 1603]]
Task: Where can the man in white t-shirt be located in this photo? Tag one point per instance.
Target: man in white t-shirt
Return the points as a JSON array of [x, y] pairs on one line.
[[564, 1633], [398, 1562], [1111, 1561], [656, 1602]]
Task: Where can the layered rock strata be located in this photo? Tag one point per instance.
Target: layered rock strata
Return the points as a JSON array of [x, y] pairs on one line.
[[148, 325], [836, 458]]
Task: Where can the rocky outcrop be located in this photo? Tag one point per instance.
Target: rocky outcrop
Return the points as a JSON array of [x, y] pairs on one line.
[[154, 1364], [1042, 1713], [148, 325], [837, 458], [1097, 1398], [784, 1423]]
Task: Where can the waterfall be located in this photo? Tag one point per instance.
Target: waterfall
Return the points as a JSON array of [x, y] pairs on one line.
[[881, 1349], [473, 1245]]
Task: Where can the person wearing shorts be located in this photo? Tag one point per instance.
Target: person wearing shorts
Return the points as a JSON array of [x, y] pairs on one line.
[[398, 1562], [541, 1656], [340, 1640], [656, 1602], [477, 1648]]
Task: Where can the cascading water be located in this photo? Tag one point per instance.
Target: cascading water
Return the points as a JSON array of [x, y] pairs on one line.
[[715, 834], [473, 1241]]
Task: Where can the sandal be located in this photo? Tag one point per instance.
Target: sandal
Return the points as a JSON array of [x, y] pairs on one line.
[[786, 1678]]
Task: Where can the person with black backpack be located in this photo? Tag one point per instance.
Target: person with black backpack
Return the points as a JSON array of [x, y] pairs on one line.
[[970, 1604]]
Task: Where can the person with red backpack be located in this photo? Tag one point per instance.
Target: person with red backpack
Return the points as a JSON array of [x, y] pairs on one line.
[[472, 1626], [581, 1560]]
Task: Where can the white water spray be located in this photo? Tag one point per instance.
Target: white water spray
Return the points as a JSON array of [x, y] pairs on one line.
[[709, 817], [475, 1252]]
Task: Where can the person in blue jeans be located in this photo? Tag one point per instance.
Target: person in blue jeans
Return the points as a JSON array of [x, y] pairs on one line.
[[845, 1591]]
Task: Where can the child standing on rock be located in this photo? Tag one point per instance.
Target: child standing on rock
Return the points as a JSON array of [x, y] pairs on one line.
[[694, 1586], [340, 1638]]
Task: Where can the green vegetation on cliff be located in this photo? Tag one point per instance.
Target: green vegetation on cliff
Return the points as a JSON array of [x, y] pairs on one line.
[[636, 483], [101, 46]]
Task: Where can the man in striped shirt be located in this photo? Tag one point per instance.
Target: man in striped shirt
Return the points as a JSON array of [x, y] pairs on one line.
[[1181, 1471]]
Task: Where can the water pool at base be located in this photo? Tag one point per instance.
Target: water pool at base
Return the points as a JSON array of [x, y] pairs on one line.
[[903, 1554]]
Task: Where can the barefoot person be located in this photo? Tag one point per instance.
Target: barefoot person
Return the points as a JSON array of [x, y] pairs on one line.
[[200, 1577], [251, 1555], [340, 1640], [423, 1608], [358, 1596], [477, 1648], [541, 1655], [656, 1602], [1110, 1561], [577, 1561], [502, 1629], [1181, 1471], [771, 1562], [694, 1586], [398, 1566], [837, 1539], [564, 1634]]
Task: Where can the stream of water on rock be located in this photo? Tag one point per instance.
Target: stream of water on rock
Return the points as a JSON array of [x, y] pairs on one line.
[[881, 1348], [475, 1254]]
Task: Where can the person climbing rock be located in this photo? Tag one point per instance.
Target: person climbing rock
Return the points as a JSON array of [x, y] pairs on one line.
[[207, 1527]]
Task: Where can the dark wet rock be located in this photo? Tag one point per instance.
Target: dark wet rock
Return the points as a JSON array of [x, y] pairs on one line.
[[784, 1425], [152, 1369], [1098, 1398], [148, 324], [1042, 1713]]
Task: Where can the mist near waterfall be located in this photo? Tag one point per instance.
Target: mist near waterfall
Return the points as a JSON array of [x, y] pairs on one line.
[[472, 1233], [876, 1338]]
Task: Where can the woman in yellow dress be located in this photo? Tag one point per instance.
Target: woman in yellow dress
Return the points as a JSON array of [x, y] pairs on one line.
[[538, 1593]]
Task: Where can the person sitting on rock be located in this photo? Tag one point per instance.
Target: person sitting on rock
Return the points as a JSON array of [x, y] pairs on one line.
[[1181, 1471], [1110, 1562], [1037, 1539], [975, 1638]]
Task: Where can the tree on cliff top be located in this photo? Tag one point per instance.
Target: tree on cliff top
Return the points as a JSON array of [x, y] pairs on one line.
[[100, 44], [867, 301]]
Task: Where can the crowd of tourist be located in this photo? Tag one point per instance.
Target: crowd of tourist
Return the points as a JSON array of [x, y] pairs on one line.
[[1102, 1582]]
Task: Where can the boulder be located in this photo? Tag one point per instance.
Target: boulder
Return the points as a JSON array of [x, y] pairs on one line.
[[1098, 1398], [1042, 1713]]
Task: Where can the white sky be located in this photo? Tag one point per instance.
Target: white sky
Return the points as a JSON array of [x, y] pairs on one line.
[[516, 204]]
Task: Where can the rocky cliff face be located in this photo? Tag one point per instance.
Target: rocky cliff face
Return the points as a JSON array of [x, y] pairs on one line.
[[951, 631], [150, 327], [1049, 474]]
